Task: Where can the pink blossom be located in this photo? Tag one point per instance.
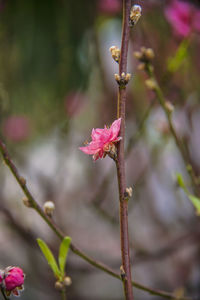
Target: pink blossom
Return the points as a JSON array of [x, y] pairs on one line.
[[109, 6], [103, 140], [184, 17], [16, 128], [13, 280]]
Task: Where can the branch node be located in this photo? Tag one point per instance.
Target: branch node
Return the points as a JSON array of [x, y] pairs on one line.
[[123, 79], [22, 180], [128, 193], [27, 202], [123, 274]]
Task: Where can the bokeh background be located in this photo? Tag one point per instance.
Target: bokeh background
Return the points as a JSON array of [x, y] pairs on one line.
[[56, 84]]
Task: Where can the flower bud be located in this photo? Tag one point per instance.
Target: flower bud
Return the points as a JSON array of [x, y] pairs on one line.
[[13, 280], [23, 180], [151, 83], [129, 192], [115, 52], [141, 67], [128, 77], [59, 286], [149, 53], [169, 106], [27, 202], [135, 14], [123, 75], [49, 208], [67, 281], [137, 54], [117, 77]]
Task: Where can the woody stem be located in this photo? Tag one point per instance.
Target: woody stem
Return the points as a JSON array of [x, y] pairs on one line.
[[120, 162]]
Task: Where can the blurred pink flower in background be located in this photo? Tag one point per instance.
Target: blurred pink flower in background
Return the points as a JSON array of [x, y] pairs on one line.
[[109, 6], [74, 103], [16, 128], [102, 140], [183, 16]]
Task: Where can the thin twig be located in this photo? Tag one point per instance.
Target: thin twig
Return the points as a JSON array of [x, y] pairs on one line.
[[120, 162], [61, 235]]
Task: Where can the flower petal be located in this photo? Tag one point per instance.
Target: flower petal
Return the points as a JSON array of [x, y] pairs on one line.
[[91, 148], [114, 129]]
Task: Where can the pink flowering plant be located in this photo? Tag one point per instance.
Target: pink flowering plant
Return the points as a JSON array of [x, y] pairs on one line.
[[109, 142], [103, 141]]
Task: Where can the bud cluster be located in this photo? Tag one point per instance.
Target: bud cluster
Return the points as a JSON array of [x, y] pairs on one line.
[[145, 55], [60, 285], [128, 193], [123, 79]]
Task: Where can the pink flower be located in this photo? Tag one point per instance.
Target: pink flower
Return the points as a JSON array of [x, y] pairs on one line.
[[183, 17], [13, 280], [16, 128], [109, 6], [103, 140]]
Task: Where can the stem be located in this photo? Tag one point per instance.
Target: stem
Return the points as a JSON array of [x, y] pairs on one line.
[[120, 162], [4, 295], [63, 294], [61, 235]]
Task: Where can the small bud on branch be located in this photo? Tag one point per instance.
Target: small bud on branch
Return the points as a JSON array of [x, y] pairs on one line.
[[115, 52], [135, 14], [49, 208]]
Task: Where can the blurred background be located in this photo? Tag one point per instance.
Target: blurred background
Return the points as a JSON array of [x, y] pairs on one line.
[[56, 84]]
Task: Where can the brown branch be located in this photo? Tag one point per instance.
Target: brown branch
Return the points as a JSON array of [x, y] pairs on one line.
[[61, 235], [120, 162]]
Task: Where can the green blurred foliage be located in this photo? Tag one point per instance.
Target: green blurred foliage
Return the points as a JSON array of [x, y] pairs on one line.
[[39, 57]]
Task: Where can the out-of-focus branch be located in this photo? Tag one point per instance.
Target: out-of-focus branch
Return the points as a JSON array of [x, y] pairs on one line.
[[145, 57]]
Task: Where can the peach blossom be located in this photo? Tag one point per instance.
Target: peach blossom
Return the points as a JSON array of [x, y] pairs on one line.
[[102, 139]]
